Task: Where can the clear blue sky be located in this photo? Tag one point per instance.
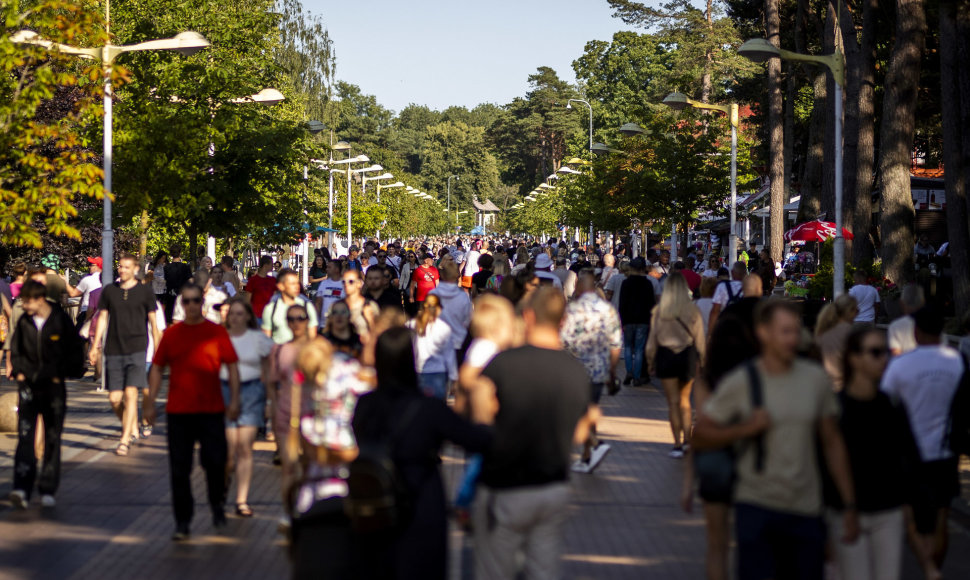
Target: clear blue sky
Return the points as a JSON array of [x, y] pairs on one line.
[[458, 52]]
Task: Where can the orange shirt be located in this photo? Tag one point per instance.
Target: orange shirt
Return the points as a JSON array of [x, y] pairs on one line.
[[194, 353]]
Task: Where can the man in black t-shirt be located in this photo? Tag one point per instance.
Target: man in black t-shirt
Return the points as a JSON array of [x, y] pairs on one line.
[[126, 314], [544, 409], [177, 274], [636, 302]]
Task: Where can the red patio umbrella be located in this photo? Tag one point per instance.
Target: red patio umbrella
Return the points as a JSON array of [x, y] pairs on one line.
[[814, 231]]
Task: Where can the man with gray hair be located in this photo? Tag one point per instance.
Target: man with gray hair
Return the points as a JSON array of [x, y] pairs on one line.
[[901, 336]]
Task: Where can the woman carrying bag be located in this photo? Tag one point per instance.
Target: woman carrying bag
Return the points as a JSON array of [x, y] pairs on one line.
[[675, 348]]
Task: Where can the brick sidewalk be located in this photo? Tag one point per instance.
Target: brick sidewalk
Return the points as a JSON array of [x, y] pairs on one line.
[[114, 519]]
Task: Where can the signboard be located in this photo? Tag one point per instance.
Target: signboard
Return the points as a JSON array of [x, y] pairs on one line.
[[929, 199]]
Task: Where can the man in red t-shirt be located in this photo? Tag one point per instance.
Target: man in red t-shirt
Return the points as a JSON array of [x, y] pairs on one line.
[[195, 350], [424, 280], [261, 287]]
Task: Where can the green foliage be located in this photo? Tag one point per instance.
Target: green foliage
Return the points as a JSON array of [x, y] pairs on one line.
[[45, 163], [454, 148]]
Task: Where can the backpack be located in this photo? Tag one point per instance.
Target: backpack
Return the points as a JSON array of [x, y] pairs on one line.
[[732, 297], [378, 499], [717, 469]]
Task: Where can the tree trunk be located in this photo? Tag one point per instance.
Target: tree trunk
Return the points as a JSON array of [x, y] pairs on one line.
[[776, 140], [953, 48], [810, 206], [193, 245], [896, 143], [830, 42], [860, 112], [143, 240]]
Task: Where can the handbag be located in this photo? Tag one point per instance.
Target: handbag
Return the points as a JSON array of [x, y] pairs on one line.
[[717, 468]]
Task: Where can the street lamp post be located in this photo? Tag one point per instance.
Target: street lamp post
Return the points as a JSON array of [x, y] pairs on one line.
[[450, 177], [680, 101], [760, 50], [358, 159], [185, 43], [266, 97], [590, 107]]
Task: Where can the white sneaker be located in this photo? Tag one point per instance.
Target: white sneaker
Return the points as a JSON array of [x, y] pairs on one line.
[[677, 453], [597, 455], [19, 499], [580, 466], [48, 501]]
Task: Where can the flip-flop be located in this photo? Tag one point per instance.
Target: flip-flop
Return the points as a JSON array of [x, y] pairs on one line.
[[243, 510], [122, 449]]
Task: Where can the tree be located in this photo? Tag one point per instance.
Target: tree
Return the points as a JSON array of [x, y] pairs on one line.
[[45, 161], [532, 139], [954, 54], [454, 148], [896, 143], [305, 52], [187, 154], [776, 137]]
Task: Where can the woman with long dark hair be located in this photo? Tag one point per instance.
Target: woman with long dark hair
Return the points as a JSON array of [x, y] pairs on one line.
[[882, 455], [418, 549]]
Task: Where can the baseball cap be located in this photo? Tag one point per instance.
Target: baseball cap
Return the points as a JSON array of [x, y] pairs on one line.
[[96, 260]]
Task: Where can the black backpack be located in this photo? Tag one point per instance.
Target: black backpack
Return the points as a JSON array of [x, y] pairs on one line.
[[378, 499], [732, 297]]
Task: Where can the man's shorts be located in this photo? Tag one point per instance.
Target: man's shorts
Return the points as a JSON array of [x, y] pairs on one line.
[[938, 483], [125, 370]]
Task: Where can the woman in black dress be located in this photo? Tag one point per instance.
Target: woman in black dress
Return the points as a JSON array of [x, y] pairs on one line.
[[419, 548]]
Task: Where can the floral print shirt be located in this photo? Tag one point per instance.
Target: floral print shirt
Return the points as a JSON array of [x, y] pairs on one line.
[[590, 330]]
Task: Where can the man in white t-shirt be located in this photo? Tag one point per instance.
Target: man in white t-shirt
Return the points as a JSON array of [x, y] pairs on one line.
[[925, 381], [544, 271], [88, 283], [330, 290], [902, 338], [867, 297], [469, 267], [727, 292]]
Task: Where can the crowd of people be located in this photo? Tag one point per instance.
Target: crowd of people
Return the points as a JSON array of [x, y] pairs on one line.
[[844, 442]]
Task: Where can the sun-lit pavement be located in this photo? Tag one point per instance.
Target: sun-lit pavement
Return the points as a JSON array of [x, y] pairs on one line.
[[113, 518]]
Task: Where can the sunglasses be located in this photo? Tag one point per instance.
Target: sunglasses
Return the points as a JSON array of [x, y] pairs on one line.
[[191, 301], [297, 318], [876, 352]]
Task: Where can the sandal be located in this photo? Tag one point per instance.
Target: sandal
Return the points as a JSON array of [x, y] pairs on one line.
[[122, 449], [243, 510], [146, 431]]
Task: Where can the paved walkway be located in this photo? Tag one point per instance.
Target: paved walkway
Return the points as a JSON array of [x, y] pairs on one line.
[[113, 518]]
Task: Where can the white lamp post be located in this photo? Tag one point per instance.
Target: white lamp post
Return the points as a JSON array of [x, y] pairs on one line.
[[679, 102], [362, 171], [185, 43], [450, 177], [760, 50]]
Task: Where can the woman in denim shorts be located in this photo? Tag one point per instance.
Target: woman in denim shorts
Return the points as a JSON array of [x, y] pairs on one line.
[[253, 348]]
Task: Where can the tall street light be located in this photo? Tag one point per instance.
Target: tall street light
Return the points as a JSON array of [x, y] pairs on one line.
[[350, 211], [450, 177], [338, 146], [760, 50], [569, 105], [267, 97], [679, 102], [314, 127], [362, 171], [186, 43]]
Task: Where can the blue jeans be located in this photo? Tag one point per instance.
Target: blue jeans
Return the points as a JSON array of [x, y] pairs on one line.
[[634, 341], [434, 384]]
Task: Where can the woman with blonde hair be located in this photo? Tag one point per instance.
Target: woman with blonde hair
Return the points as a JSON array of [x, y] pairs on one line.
[[435, 357], [674, 349], [832, 329]]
